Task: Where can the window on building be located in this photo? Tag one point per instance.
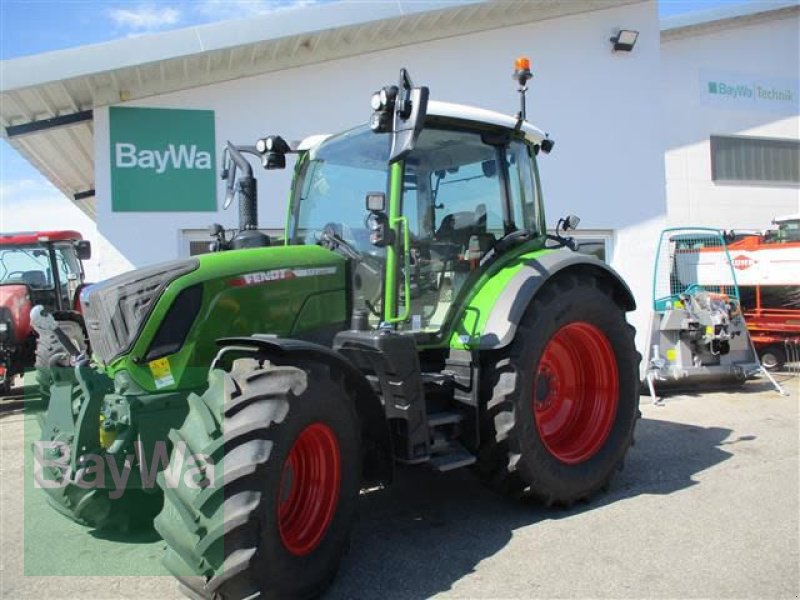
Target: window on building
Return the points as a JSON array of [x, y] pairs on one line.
[[753, 160]]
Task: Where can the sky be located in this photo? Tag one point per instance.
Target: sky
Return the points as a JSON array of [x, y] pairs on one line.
[[36, 26]]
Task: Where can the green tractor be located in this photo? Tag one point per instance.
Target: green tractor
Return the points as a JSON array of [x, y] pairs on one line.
[[417, 312]]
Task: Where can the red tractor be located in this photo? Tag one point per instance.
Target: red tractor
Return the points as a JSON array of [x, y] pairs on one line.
[[38, 267]]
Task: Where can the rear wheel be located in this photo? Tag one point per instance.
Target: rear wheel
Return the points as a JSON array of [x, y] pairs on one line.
[[274, 517], [773, 358], [562, 399], [52, 360]]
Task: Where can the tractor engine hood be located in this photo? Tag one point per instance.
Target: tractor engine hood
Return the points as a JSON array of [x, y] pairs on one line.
[[115, 310], [15, 313], [170, 316]]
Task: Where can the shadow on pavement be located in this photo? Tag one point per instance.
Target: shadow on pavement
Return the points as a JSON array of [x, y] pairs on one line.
[[430, 530], [145, 536]]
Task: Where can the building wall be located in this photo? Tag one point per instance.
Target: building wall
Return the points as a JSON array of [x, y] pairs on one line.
[[603, 110], [763, 52]]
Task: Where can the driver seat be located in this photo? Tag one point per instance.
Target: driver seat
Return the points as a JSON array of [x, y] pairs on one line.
[[35, 279]]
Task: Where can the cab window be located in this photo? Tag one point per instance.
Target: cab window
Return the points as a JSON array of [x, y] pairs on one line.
[[454, 202]]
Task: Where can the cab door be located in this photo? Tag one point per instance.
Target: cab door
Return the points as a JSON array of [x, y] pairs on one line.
[[459, 192]]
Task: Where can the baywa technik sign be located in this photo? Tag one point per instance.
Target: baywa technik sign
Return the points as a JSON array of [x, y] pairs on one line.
[[748, 92], [162, 160]]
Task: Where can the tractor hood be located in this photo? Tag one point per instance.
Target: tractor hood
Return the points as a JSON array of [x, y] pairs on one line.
[[161, 323], [15, 313]]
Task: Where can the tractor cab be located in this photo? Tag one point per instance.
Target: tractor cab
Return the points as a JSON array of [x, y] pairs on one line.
[[48, 263], [786, 229], [421, 201], [35, 268], [419, 229]]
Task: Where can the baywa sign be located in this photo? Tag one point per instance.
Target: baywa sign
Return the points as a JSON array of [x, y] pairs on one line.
[[748, 92], [162, 160]]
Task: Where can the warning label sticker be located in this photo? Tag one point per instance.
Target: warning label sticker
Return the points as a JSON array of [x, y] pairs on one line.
[[162, 374]]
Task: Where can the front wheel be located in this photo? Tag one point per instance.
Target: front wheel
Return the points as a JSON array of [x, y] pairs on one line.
[[562, 399], [52, 359], [272, 518]]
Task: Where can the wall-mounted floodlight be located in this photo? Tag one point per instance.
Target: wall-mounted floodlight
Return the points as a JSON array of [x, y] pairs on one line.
[[625, 40]]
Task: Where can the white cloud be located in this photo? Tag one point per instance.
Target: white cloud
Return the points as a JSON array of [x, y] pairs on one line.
[[145, 17], [35, 205], [20, 190], [216, 10]]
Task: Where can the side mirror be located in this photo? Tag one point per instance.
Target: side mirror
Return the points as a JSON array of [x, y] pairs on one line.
[[569, 223], [83, 248], [228, 175], [400, 110], [380, 234]]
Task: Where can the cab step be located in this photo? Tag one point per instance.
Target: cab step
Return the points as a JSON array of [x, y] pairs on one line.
[[457, 457], [439, 419]]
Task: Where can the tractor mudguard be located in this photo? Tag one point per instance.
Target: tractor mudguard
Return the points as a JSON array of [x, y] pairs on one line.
[[377, 444], [509, 307]]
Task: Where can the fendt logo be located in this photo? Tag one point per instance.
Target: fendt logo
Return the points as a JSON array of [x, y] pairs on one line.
[[742, 262], [162, 159]]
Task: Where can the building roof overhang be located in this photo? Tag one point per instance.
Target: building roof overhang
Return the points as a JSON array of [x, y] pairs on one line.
[[46, 100]]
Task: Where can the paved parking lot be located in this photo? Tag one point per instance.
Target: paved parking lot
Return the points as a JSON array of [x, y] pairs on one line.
[[707, 506]]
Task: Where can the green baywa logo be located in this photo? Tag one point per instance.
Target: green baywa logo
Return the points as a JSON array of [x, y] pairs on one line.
[[128, 156]]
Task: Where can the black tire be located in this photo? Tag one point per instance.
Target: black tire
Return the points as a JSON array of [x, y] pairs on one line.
[[225, 541], [520, 459], [51, 358], [773, 358]]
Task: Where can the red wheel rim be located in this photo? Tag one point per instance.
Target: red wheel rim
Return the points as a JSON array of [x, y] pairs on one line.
[[309, 490], [575, 392]]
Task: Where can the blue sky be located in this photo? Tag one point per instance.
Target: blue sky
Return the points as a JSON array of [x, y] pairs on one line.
[[35, 26]]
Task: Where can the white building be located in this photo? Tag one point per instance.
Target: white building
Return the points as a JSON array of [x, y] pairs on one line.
[[312, 70], [730, 90]]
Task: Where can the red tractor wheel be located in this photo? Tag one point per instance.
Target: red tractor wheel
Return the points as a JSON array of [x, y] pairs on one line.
[[272, 519], [562, 398]]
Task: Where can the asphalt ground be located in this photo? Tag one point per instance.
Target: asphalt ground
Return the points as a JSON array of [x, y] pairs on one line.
[[706, 507]]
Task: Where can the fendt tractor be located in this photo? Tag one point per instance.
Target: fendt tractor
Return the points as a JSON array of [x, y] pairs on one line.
[[38, 268], [417, 312]]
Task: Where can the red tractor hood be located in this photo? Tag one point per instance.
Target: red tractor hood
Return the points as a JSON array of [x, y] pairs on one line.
[[15, 306]]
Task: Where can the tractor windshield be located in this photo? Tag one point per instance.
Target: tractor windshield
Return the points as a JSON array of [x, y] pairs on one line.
[[329, 203], [332, 185], [28, 265]]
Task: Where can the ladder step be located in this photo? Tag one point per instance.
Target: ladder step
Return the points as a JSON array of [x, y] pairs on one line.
[[443, 418], [439, 444], [460, 457], [438, 378]]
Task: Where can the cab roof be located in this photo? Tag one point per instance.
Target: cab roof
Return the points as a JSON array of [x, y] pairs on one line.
[[35, 237], [461, 112], [482, 115]]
